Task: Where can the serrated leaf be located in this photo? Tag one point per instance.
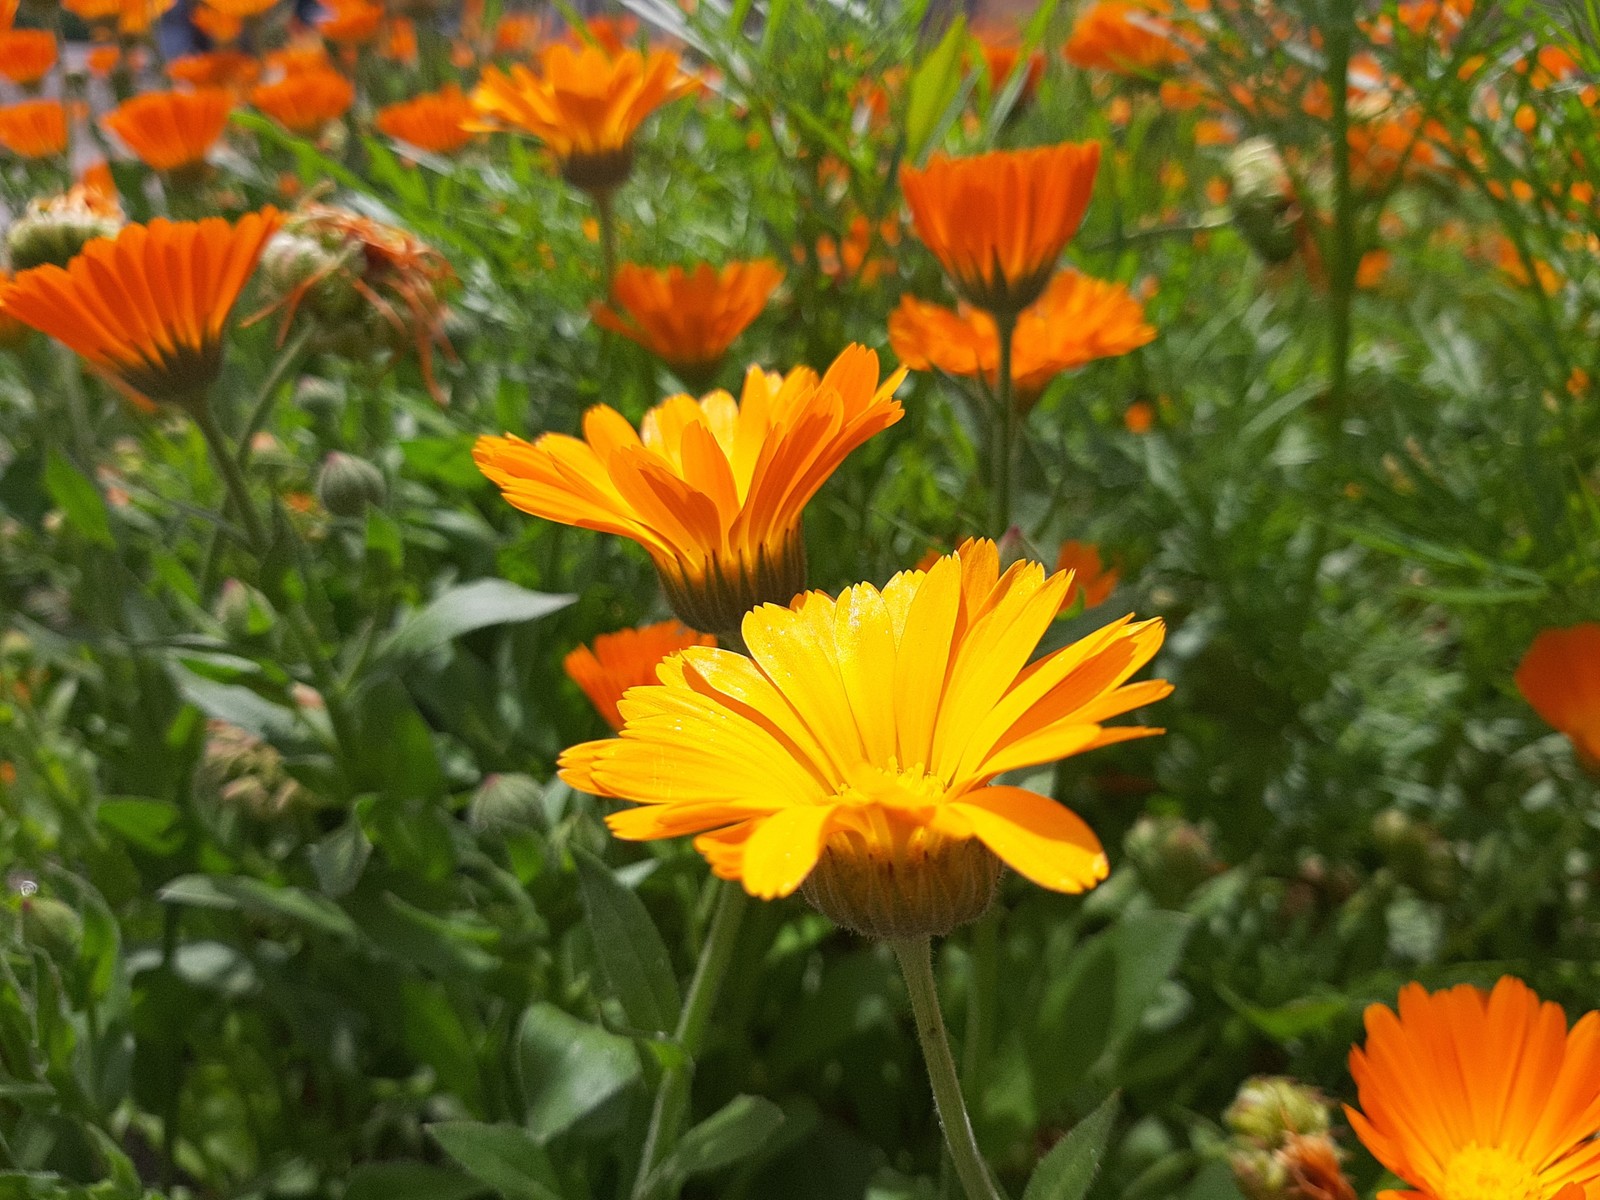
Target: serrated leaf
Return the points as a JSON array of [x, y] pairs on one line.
[[632, 955], [1069, 1170]]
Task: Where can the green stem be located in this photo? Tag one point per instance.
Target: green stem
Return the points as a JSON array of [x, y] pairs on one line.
[[1005, 433], [672, 1098], [1343, 260], [608, 236], [916, 964], [227, 466]]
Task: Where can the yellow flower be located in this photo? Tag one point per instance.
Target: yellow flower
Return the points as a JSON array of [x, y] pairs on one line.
[[855, 750], [712, 489]]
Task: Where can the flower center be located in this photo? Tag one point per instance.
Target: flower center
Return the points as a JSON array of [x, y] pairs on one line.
[[1489, 1173]]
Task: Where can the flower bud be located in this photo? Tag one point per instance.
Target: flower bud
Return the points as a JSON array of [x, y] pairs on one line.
[[1416, 852], [1172, 856], [52, 926], [243, 611], [1264, 208], [1269, 1108], [507, 804], [347, 484], [54, 229], [239, 771], [317, 395]]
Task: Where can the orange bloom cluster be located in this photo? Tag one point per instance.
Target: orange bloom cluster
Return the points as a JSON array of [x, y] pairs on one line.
[[171, 131], [148, 307], [306, 102], [34, 128], [713, 489], [351, 22], [998, 222], [1124, 38], [626, 659], [434, 121], [1076, 321], [26, 55], [688, 319], [584, 105], [1467, 1095]]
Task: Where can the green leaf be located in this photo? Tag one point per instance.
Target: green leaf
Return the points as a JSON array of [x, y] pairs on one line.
[[470, 606], [1149, 947], [146, 824], [237, 705], [568, 1068], [735, 1131], [934, 85], [631, 953], [409, 1181], [260, 899], [1068, 1171], [79, 501], [502, 1156], [339, 858]]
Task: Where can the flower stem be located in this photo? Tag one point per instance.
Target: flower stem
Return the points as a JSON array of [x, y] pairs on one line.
[[672, 1098], [232, 478], [1006, 432], [608, 236], [916, 964]]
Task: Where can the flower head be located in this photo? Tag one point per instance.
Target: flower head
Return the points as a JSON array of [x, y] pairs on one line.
[[171, 131], [55, 229], [998, 222], [433, 121], [584, 104], [712, 489], [351, 22], [149, 306], [133, 18], [243, 10], [626, 659], [1123, 38], [215, 69], [1076, 321], [1468, 1095], [306, 102], [1560, 677], [1092, 580], [26, 55], [34, 128], [855, 750], [688, 319]]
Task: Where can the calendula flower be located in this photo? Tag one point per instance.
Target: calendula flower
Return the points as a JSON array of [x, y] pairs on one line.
[[1093, 580], [854, 751], [1560, 677], [1468, 1095], [585, 105], [351, 22], [712, 489], [1123, 38], [305, 103], [626, 659], [148, 307], [998, 222], [1000, 57], [26, 55], [688, 319], [433, 121], [1076, 321], [133, 18], [34, 128], [215, 69], [219, 27], [171, 131], [243, 10]]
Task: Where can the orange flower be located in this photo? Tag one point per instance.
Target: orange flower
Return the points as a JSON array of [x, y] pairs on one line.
[[585, 105], [851, 258], [34, 128], [306, 103], [1139, 417], [1092, 580], [148, 307], [998, 222], [102, 60], [243, 10], [1560, 677], [713, 490], [1077, 320], [26, 55], [611, 34], [1124, 38], [1468, 1095], [400, 41], [171, 131], [688, 319], [1000, 57], [433, 121], [216, 68], [299, 57], [351, 22], [222, 29], [517, 33], [625, 659], [133, 17]]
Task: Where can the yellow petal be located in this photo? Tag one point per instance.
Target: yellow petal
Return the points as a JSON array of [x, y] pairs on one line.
[[783, 849], [1038, 838]]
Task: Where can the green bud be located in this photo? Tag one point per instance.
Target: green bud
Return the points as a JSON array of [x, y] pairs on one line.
[[243, 611], [52, 926], [1269, 1108], [55, 229], [1264, 208], [347, 484], [507, 804]]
